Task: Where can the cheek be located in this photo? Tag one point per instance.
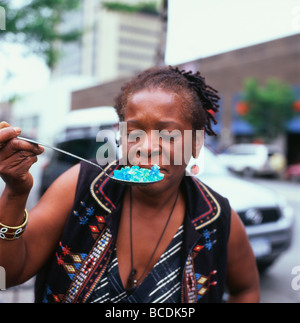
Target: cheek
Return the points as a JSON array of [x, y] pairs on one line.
[[174, 149], [180, 150], [188, 146]]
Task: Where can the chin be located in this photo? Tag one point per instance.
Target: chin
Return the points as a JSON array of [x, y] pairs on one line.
[[168, 182]]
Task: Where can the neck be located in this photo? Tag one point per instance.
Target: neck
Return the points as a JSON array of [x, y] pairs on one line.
[[154, 199]]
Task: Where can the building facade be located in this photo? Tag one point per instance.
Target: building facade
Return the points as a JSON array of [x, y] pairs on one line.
[[227, 72], [115, 43]]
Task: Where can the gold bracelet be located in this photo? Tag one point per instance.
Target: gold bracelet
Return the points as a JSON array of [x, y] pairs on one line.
[[13, 233]]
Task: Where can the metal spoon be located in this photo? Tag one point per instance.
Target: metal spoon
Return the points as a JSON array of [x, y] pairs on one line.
[[89, 162]]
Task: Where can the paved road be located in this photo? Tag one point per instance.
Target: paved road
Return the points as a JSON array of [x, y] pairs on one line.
[[276, 283], [19, 294]]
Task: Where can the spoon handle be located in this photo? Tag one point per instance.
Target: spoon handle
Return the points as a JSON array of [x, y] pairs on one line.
[[127, 182], [63, 152]]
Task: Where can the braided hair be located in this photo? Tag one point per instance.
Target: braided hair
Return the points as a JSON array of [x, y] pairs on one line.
[[200, 100]]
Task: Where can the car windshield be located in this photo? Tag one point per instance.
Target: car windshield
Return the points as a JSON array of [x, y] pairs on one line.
[[242, 150]]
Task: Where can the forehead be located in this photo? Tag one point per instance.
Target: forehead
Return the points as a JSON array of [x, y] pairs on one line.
[[156, 94], [154, 101]]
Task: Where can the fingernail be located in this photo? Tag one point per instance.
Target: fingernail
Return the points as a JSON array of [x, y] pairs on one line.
[[4, 124], [41, 149], [17, 130]]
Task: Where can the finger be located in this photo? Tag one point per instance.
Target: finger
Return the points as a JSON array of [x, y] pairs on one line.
[[13, 171], [18, 145], [18, 162], [8, 133], [16, 148], [35, 146], [4, 124]]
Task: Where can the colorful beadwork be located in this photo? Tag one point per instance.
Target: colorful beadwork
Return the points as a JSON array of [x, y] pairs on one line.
[[13, 233], [87, 265], [204, 283]]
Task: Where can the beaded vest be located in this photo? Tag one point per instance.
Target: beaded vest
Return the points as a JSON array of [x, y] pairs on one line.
[[88, 241]]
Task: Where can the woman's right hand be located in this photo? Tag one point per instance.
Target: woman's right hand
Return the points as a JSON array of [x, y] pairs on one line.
[[16, 158]]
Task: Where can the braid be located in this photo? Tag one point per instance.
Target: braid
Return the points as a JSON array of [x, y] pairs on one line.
[[207, 95], [201, 99]]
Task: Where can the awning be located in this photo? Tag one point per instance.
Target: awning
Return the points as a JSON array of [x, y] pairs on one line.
[[294, 125], [241, 127], [217, 127]]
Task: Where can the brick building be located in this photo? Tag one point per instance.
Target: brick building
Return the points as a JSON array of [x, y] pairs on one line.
[[226, 72]]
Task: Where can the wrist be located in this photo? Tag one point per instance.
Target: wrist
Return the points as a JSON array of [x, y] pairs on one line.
[[18, 189], [10, 233], [14, 199], [12, 207]]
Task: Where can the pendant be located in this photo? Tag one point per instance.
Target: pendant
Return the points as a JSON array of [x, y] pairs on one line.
[[131, 282]]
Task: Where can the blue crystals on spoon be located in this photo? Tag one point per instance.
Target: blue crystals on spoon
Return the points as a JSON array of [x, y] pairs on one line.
[[137, 174]]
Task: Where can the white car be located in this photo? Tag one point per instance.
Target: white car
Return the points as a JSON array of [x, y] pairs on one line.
[[79, 136], [254, 159], [267, 218]]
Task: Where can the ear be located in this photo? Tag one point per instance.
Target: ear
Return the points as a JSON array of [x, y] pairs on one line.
[[198, 142]]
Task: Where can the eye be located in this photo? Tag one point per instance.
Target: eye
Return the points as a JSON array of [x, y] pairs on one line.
[[171, 136], [135, 135]]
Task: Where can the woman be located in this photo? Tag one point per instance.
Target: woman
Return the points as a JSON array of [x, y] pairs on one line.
[[94, 240]]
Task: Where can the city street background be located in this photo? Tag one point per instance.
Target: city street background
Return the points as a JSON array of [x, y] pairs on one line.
[[227, 41]]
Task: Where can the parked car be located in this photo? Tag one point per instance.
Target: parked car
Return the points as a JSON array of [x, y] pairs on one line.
[[293, 173], [267, 218], [254, 159], [79, 137]]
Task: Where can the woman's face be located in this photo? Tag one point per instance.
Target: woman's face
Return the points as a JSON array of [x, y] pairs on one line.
[[157, 132]]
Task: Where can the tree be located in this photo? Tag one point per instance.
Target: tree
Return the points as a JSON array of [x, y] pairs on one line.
[[267, 108], [147, 7], [36, 23]]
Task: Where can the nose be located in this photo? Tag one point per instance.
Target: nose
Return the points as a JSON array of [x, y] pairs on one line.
[[149, 146]]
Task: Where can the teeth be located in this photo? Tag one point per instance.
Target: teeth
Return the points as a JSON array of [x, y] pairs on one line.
[[137, 174]]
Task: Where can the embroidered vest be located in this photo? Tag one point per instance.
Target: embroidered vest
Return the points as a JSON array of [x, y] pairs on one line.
[[88, 241]]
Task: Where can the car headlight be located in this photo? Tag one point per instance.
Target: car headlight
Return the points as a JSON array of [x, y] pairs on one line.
[[286, 210]]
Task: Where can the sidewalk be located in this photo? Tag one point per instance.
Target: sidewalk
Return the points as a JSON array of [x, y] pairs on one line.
[[19, 294]]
